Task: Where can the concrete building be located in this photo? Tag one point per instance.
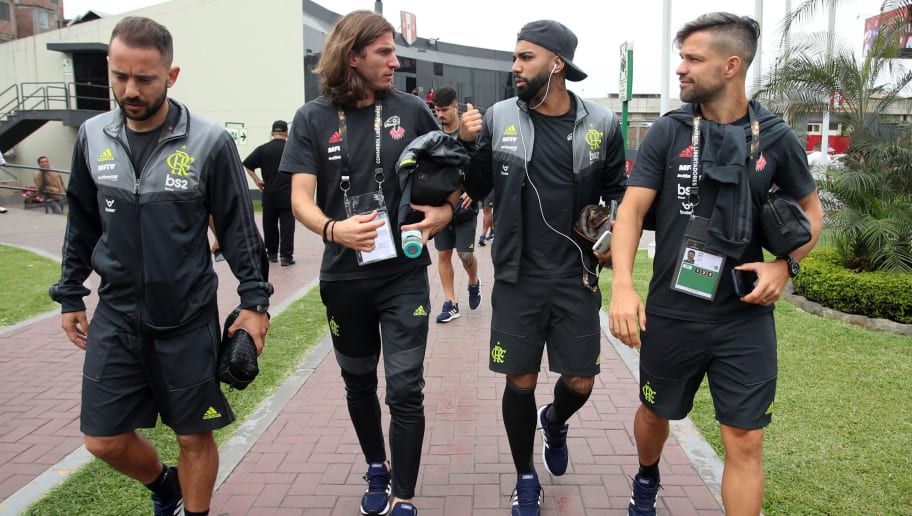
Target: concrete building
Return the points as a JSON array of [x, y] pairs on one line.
[[242, 65]]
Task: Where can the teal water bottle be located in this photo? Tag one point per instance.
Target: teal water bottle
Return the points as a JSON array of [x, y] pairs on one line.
[[411, 243]]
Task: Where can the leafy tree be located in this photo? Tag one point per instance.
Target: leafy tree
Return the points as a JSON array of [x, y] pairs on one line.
[[871, 226]]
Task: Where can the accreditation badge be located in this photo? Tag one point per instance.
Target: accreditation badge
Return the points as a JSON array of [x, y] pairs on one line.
[[699, 268], [384, 245]]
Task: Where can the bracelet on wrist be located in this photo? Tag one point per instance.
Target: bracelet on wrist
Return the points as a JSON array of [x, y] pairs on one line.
[[332, 233], [326, 225]]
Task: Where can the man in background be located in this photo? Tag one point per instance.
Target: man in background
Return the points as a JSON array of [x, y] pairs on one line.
[[51, 186], [278, 219], [459, 234]]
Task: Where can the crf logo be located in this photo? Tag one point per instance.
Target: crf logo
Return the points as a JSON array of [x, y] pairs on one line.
[[180, 162]]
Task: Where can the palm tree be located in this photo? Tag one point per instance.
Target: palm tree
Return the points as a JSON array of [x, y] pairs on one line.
[[873, 228]]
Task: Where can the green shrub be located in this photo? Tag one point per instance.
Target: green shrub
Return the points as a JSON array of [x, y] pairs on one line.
[[879, 294]]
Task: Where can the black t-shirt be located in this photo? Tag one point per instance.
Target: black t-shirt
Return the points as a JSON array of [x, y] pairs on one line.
[[547, 199], [664, 164], [315, 147], [277, 187], [142, 144]]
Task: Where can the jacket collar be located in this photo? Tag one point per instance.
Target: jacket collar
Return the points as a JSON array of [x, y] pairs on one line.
[[117, 127], [581, 111]]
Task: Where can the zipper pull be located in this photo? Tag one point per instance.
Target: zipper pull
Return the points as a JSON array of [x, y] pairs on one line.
[[136, 186]]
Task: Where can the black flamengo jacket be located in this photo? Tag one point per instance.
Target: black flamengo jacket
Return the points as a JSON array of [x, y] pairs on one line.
[[146, 234]]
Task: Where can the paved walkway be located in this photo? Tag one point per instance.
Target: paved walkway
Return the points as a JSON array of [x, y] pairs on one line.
[[299, 455]]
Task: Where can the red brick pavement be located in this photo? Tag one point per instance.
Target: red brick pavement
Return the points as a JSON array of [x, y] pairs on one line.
[[308, 461], [39, 416]]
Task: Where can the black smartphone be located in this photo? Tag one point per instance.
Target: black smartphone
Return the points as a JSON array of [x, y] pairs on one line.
[[744, 281]]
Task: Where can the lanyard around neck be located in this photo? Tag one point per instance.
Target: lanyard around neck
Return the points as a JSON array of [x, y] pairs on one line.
[[695, 176], [345, 174]]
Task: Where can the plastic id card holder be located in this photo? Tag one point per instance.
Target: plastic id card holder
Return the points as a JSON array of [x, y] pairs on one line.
[[698, 269], [384, 246]]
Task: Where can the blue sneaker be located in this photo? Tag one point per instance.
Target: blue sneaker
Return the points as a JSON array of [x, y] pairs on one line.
[[527, 496], [174, 507], [643, 499], [554, 438], [375, 500], [475, 295], [481, 240], [490, 235], [403, 509], [450, 311]]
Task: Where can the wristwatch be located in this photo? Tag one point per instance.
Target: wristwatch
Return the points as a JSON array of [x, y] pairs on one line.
[[257, 308], [793, 266]]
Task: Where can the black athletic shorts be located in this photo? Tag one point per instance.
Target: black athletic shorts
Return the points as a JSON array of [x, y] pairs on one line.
[[560, 311], [459, 236], [738, 356], [128, 380]]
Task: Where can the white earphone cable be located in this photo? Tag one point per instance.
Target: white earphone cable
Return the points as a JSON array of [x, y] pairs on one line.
[[541, 209]]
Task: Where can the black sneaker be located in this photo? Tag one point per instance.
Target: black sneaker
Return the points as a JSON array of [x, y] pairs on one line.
[[554, 440], [288, 260], [376, 498], [527, 496], [643, 499], [174, 507], [274, 258], [217, 254], [481, 240]]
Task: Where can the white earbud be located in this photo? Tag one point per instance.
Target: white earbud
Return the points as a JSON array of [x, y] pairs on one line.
[[554, 69]]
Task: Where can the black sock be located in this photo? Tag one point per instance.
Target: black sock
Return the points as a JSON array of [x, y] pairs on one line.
[[191, 513], [566, 402], [166, 485], [651, 471], [519, 420]]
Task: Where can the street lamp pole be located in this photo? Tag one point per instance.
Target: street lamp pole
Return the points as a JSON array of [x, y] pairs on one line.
[[666, 57], [825, 127]]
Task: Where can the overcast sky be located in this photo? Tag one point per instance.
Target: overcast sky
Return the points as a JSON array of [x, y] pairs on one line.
[[601, 27]]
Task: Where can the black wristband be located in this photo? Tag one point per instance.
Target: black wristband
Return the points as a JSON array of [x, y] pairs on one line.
[[326, 225], [332, 233]]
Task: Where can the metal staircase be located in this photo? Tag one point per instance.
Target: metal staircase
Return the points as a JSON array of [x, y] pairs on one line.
[[26, 106]]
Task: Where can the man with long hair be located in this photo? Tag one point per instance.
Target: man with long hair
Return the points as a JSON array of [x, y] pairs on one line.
[[703, 171], [342, 152], [145, 179]]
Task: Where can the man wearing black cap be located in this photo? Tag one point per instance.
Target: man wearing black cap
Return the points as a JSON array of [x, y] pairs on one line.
[[276, 190], [546, 154]]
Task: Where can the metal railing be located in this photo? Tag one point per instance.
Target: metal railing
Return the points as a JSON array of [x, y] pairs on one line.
[[31, 96], [30, 200]]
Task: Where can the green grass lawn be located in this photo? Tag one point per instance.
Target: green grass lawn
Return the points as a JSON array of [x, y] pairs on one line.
[[842, 428], [24, 280], [97, 489]]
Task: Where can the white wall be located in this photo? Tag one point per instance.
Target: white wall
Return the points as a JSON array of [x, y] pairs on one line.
[[240, 61]]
